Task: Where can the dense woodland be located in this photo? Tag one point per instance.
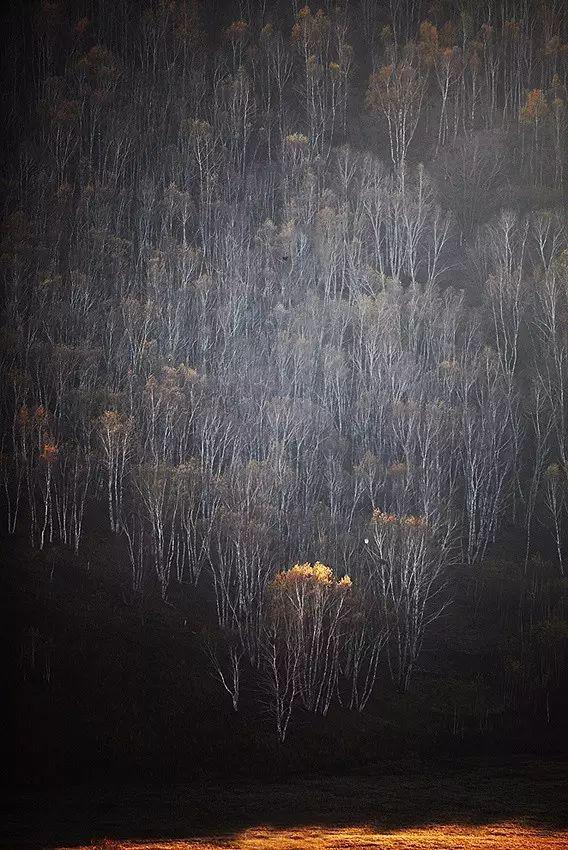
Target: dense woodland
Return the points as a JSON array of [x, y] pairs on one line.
[[284, 353]]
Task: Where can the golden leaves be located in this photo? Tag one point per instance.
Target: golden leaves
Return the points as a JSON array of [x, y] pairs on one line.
[[49, 452], [398, 468], [40, 415], [114, 423], [199, 129], [394, 87], [382, 518], [316, 575], [428, 42], [237, 30], [297, 140], [535, 107], [310, 29], [557, 472], [99, 64], [409, 521], [429, 34], [449, 366]]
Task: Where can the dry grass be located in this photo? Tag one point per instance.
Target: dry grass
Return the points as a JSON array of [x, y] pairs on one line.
[[503, 836]]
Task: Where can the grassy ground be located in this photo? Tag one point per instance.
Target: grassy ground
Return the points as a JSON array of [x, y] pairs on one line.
[[520, 805], [441, 837]]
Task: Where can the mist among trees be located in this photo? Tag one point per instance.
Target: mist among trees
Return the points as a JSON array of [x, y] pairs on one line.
[[285, 332]]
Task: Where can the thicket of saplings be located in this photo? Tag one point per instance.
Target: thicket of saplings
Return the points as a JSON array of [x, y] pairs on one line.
[[286, 310]]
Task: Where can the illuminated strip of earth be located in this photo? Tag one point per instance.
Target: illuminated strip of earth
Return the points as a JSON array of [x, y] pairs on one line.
[[502, 836]]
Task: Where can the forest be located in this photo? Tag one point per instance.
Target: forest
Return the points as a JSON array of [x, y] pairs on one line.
[[284, 383]]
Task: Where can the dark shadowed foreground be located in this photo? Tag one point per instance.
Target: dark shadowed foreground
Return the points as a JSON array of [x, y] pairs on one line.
[[518, 805]]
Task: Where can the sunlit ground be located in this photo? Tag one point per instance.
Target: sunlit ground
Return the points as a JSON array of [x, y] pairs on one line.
[[505, 836]]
